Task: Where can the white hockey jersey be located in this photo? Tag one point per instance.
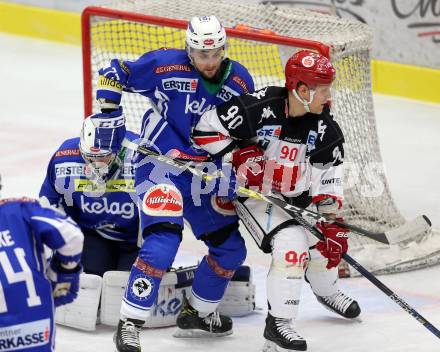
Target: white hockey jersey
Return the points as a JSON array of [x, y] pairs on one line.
[[304, 154]]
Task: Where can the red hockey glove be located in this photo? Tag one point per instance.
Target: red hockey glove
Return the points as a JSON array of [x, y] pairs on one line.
[[249, 163], [335, 243]]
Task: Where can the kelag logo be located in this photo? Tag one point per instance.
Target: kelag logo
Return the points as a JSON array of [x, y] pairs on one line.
[[125, 210]]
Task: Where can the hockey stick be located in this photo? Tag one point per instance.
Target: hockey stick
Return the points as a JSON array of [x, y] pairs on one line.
[[297, 215], [417, 226], [370, 277], [420, 224]]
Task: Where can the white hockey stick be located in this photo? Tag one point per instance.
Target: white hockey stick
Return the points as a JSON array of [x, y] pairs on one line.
[[410, 229]]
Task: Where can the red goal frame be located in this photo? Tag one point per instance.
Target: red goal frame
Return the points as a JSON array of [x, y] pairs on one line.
[[174, 23]]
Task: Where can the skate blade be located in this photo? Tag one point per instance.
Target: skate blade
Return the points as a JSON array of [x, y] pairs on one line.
[[357, 319], [270, 346], [196, 333]]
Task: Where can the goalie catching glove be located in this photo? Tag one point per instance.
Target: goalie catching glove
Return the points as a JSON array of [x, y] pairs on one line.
[[248, 163], [65, 281], [335, 243]]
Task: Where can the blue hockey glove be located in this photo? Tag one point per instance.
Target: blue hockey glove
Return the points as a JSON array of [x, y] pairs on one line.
[[109, 130], [65, 282], [111, 82]]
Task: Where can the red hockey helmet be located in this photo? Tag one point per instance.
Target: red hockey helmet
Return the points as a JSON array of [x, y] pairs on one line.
[[310, 68]]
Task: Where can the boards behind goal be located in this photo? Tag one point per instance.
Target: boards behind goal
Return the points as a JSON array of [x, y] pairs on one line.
[[262, 37]]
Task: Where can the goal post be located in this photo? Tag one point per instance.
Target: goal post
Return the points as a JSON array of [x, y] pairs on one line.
[[262, 37]]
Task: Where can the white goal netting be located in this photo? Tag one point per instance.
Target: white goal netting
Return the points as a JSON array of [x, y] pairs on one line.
[[123, 31]]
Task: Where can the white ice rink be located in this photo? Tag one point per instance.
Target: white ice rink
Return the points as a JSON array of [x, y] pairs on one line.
[[41, 105]]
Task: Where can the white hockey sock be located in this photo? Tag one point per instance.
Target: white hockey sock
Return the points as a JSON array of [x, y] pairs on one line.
[[323, 282], [289, 255]]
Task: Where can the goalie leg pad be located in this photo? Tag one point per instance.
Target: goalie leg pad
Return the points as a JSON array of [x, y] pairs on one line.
[[239, 298], [113, 288], [81, 313], [166, 307]]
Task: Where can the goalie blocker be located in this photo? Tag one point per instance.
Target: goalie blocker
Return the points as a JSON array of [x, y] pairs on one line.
[[84, 313]]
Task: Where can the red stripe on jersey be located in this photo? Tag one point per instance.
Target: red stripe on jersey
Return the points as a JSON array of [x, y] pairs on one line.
[[209, 139], [178, 154], [147, 269], [225, 273], [22, 199], [67, 152]]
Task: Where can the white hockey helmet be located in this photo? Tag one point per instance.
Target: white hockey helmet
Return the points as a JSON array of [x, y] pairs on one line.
[[99, 161], [206, 33]]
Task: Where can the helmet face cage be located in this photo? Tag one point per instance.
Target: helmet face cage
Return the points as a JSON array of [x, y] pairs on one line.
[[98, 161], [98, 158], [204, 33], [311, 68], [98, 165]]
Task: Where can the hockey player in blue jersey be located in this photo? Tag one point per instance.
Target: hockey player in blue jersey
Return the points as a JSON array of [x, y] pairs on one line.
[[95, 187], [181, 84], [28, 292]]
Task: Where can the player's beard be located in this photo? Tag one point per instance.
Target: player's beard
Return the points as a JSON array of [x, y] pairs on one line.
[[219, 73]]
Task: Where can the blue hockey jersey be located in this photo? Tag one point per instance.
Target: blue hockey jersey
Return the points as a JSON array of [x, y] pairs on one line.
[[26, 305], [108, 208], [179, 93]]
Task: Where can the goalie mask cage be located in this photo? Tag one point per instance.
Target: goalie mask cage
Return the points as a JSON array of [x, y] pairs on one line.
[[262, 37]]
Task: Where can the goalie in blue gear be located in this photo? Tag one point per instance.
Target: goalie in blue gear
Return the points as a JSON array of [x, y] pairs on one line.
[[181, 85], [28, 292], [88, 179]]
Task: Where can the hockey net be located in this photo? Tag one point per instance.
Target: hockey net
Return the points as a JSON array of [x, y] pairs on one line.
[[127, 29]]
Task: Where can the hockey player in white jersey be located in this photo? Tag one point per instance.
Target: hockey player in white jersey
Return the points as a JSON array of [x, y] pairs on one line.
[[29, 288], [294, 150]]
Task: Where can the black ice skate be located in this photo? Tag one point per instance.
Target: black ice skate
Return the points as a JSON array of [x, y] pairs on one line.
[[341, 304], [280, 336], [191, 325], [126, 337]]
